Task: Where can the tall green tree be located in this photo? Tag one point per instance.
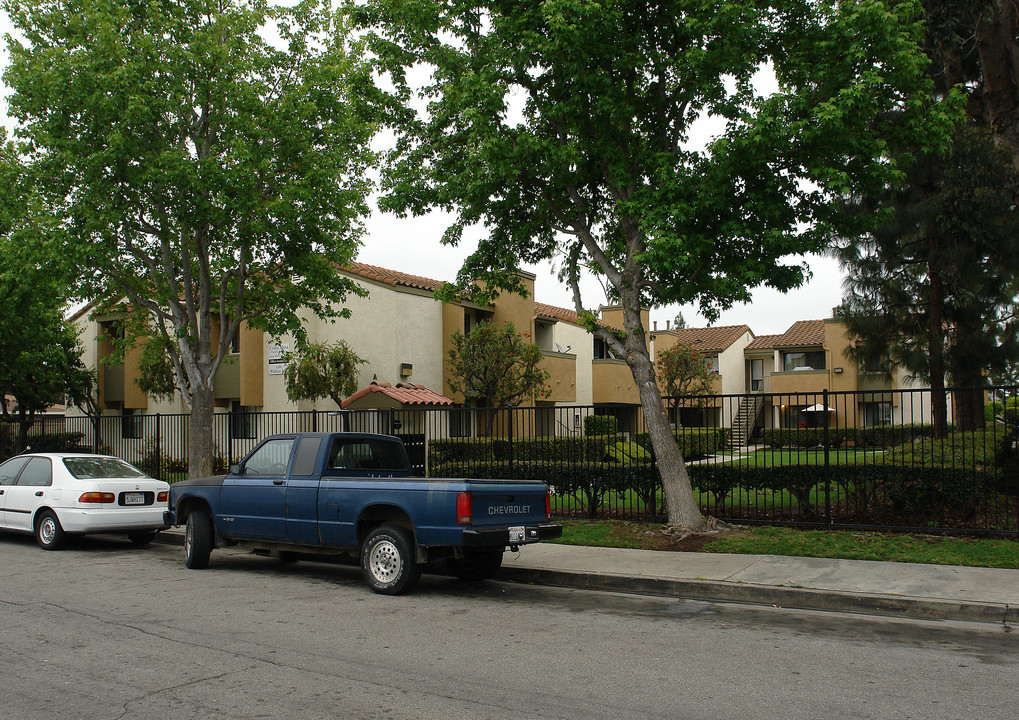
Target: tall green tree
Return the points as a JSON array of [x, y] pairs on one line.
[[973, 45], [40, 356], [934, 287], [322, 370], [204, 174], [495, 365], [562, 127]]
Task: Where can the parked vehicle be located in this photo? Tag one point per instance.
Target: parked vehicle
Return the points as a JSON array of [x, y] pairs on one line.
[[53, 495], [353, 494]]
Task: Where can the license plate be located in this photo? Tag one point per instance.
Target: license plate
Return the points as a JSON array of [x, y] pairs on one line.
[[516, 535], [134, 498]]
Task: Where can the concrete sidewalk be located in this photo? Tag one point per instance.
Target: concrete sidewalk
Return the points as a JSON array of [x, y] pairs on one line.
[[906, 590], [863, 586]]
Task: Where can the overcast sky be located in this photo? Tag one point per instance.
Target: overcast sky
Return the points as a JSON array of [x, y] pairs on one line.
[[412, 245]]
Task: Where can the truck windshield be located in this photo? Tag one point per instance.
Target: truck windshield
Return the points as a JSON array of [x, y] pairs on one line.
[[366, 454]]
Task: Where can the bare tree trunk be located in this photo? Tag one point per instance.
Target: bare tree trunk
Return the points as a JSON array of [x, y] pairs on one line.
[[200, 441], [682, 506]]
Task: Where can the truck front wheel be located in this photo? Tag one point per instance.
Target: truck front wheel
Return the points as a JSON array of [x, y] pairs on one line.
[[387, 560], [198, 540]]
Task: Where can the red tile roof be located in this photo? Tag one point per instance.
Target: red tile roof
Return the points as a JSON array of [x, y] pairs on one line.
[[763, 342], [712, 339], [557, 312], [405, 393], [392, 277], [802, 333]]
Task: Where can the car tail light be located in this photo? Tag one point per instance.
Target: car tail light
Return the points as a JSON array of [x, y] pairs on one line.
[[97, 497], [463, 508], [548, 505], [163, 496]]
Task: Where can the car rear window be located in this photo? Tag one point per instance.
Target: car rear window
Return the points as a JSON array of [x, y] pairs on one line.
[[95, 468]]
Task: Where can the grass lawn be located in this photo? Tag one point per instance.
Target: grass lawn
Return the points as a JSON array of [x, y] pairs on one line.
[[937, 550]]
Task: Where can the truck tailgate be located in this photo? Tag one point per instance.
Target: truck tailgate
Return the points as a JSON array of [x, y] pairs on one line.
[[507, 503]]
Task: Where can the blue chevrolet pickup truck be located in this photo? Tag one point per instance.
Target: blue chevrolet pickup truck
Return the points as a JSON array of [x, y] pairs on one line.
[[353, 494]]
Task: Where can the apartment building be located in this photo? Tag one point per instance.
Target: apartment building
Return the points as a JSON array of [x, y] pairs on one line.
[[403, 333]]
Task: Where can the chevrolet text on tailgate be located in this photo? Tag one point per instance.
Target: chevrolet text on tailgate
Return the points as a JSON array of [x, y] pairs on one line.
[[353, 494]]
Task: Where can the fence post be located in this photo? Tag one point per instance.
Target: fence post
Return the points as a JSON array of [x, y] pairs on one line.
[[314, 420], [827, 465], [159, 455], [512, 472]]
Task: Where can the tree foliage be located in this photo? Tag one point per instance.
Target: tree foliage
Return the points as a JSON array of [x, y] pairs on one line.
[[40, 356], [563, 128], [321, 370], [496, 365], [683, 371], [204, 174]]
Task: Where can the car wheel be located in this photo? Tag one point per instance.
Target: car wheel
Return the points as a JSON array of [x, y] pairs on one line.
[[48, 532], [141, 538], [475, 566], [387, 560], [198, 540]]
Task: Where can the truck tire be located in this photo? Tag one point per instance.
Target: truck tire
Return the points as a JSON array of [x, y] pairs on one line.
[[476, 565], [387, 560], [198, 539]]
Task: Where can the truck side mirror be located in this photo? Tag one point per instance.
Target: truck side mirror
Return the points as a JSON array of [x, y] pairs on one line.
[[235, 469]]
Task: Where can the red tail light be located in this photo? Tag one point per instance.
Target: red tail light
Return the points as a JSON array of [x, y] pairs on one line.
[[97, 497], [548, 505], [163, 496], [463, 508]]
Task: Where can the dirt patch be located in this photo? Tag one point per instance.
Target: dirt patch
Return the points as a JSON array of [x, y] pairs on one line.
[[655, 538]]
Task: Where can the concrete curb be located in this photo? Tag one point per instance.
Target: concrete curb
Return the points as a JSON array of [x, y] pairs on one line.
[[750, 594], [771, 595]]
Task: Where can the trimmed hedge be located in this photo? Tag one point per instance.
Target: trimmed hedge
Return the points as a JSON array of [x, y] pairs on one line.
[[474, 450], [592, 481], [694, 443], [881, 436], [601, 425], [980, 450]]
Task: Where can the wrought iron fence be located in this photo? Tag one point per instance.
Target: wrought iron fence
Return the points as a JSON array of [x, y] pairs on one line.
[[875, 459]]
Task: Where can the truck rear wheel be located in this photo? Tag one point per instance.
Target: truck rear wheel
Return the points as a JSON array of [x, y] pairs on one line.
[[476, 565], [387, 560]]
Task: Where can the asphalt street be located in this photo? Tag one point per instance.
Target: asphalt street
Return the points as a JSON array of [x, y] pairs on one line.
[[105, 630]]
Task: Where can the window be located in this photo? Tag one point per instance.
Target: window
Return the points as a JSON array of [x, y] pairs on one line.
[[270, 458], [38, 473], [812, 360], [467, 323], [131, 423], [93, 468], [243, 421], [873, 414], [711, 361], [307, 454], [10, 469], [366, 454], [602, 350]]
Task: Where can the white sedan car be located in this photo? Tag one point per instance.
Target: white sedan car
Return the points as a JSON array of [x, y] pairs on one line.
[[53, 495]]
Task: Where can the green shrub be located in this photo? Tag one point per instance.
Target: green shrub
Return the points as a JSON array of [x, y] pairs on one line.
[[58, 442], [627, 452], [979, 451], [802, 437], [694, 443], [467, 451], [601, 425]]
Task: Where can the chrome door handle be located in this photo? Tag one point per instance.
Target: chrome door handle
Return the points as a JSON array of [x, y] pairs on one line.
[[39, 494]]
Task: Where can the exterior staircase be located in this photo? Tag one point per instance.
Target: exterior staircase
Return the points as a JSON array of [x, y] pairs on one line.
[[746, 417]]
